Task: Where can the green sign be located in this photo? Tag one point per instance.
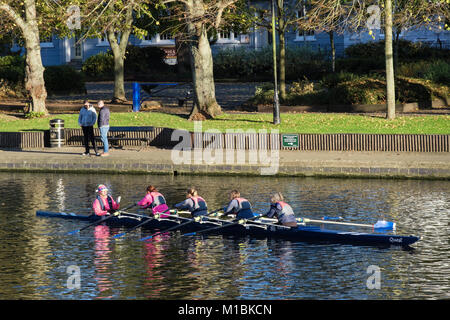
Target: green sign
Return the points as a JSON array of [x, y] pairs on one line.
[[289, 140]]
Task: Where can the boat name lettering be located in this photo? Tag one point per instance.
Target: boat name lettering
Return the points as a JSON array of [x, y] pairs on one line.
[[392, 240]]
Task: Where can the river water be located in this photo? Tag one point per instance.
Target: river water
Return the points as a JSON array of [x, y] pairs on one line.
[[38, 260]]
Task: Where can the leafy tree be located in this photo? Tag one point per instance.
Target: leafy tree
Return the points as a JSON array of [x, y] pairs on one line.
[[353, 15], [25, 19], [196, 21], [116, 19]]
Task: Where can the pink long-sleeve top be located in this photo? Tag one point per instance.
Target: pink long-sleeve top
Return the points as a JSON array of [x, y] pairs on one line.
[[150, 198], [97, 207]]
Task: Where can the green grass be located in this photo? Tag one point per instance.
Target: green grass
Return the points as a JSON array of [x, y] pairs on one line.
[[290, 123]]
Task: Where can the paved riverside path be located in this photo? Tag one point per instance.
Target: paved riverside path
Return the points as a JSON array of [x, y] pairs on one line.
[[280, 163]]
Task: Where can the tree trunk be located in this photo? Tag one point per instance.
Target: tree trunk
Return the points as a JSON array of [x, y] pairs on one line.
[[390, 81], [119, 82], [202, 76], [34, 70], [34, 73], [119, 51], [282, 39], [333, 51], [282, 66], [119, 57]]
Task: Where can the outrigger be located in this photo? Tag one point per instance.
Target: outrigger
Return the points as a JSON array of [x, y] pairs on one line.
[[261, 227]]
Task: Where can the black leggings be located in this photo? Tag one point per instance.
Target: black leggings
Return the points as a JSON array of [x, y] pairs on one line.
[[88, 133]]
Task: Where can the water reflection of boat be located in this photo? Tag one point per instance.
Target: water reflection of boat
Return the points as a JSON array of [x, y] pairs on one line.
[[253, 228]]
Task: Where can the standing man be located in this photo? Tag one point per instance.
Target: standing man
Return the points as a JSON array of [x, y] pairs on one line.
[[103, 125], [86, 120]]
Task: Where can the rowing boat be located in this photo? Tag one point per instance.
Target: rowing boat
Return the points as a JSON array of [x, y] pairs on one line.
[[261, 228]]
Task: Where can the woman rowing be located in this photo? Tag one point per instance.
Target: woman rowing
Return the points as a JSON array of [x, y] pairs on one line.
[[155, 201], [104, 203], [281, 210], [195, 204], [239, 206]]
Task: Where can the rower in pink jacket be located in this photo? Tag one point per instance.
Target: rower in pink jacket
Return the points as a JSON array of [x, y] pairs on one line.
[[104, 204], [155, 201]]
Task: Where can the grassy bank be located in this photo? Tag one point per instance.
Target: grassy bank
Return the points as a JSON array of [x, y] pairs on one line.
[[291, 123]]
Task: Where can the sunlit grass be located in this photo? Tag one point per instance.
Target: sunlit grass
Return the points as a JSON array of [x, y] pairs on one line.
[[290, 123]]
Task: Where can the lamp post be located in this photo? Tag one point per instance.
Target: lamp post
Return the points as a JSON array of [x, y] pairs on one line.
[[276, 104]]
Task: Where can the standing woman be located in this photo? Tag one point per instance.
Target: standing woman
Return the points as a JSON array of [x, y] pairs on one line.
[[241, 207], [104, 203], [155, 201], [195, 204], [281, 210]]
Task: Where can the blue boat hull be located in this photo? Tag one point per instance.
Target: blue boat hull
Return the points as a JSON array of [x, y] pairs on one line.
[[255, 229]]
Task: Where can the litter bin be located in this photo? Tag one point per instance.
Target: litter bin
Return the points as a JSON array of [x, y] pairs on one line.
[[56, 133]]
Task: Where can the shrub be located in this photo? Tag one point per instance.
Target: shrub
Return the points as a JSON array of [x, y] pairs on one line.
[[242, 63], [245, 63], [263, 94], [305, 62], [407, 50], [12, 69], [435, 71], [361, 90], [63, 79], [144, 59], [100, 66], [368, 90], [138, 60], [419, 90], [12, 76], [333, 79], [439, 72], [348, 88], [361, 65]]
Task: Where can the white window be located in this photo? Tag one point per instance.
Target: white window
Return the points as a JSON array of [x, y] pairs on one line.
[[226, 36], [304, 35], [47, 42], [158, 39], [165, 38]]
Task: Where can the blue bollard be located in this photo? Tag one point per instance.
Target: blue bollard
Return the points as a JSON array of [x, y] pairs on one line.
[[136, 96]]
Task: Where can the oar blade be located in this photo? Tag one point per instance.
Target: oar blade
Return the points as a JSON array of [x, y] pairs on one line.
[[146, 238], [73, 232], [384, 225], [119, 235], [332, 218], [189, 234]]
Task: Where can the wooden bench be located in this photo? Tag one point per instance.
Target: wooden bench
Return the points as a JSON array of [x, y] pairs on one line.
[[117, 134]]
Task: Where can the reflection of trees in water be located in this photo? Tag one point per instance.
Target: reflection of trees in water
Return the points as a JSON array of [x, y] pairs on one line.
[[217, 264]]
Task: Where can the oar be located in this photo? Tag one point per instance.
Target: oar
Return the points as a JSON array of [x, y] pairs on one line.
[[135, 227], [381, 224], [101, 220], [241, 221], [196, 219]]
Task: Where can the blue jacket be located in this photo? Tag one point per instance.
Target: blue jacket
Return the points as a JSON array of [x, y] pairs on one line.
[[87, 117]]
